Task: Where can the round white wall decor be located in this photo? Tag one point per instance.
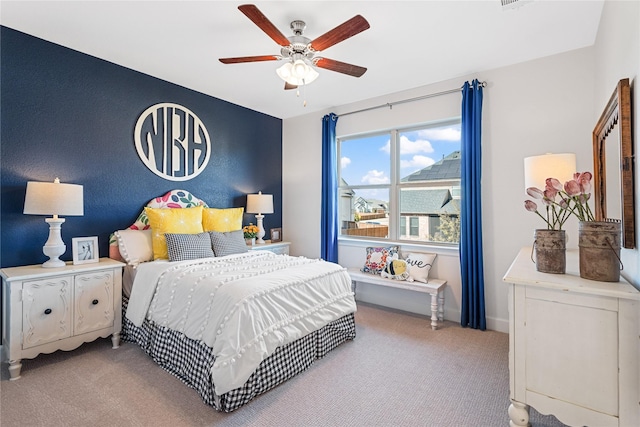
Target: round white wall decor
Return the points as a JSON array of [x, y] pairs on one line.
[[172, 141]]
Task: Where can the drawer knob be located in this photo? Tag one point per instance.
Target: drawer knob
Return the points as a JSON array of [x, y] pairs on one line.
[[47, 311], [94, 302]]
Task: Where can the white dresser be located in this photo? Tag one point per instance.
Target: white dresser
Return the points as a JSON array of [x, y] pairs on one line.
[[49, 309], [574, 346]]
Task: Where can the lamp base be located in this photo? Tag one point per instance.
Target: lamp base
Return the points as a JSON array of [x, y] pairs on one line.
[[54, 247], [261, 233], [55, 262]]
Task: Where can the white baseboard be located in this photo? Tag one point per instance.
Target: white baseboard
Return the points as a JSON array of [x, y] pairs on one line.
[[499, 325], [418, 303]]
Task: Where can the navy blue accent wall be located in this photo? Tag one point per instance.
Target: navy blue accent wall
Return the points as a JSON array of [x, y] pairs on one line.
[[70, 115]]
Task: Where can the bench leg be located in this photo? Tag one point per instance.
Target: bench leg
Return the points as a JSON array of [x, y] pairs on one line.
[[441, 306], [434, 311]]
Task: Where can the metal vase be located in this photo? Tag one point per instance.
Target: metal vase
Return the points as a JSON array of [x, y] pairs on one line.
[[599, 250], [550, 250]]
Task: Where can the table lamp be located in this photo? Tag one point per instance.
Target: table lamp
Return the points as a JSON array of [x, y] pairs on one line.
[[53, 198], [538, 168], [260, 204]]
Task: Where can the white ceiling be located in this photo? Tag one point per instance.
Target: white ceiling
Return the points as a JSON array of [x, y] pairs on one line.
[[409, 44]]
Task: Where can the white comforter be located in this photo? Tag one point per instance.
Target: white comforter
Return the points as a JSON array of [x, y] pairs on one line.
[[243, 306]]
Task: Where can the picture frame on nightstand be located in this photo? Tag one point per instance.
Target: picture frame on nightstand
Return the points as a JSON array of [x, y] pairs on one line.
[[85, 250], [276, 235]]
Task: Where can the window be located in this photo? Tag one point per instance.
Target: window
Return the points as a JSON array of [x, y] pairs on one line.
[[401, 184], [415, 226]]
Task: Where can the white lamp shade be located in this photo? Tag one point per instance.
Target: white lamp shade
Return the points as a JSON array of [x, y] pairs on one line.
[[260, 203], [538, 168], [297, 73], [53, 198]]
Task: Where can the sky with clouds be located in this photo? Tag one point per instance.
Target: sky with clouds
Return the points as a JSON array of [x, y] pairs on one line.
[[365, 160]]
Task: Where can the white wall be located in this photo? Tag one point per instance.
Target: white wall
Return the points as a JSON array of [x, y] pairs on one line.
[[540, 106], [617, 56]]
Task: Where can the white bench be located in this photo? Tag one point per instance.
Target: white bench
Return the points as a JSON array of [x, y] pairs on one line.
[[435, 288]]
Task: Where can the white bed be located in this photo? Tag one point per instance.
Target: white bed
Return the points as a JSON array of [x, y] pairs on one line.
[[235, 326]]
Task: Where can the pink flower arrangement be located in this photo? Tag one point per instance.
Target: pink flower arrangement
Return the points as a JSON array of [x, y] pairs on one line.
[[562, 201]]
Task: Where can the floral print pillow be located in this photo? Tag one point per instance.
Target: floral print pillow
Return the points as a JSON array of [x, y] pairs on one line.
[[377, 258]]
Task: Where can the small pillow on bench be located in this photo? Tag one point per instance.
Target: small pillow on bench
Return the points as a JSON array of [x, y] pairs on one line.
[[396, 269], [377, 258], [420, 265]]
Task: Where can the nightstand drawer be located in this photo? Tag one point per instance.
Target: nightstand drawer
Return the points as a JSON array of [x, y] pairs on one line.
[[93, 308], [280, 248], [46, 310]]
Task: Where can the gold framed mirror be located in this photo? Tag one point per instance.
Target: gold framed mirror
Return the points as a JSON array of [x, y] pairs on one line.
[[613, 164]]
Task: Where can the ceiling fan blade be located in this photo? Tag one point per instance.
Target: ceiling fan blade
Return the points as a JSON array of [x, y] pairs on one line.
[[249, 59], [340, 67], [350, 28], [258, 18], [289, 86]]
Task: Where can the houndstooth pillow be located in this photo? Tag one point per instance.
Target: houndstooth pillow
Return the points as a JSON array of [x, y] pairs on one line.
[[183, 247], [228, 243]]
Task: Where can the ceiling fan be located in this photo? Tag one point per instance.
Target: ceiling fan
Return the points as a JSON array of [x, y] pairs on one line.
[[301, 52]]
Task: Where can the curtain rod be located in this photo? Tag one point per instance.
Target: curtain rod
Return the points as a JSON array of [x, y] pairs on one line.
[[404, 101]]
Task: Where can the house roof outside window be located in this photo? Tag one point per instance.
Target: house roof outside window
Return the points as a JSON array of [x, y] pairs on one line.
[[436, 201], [433, 201], [446, 169]]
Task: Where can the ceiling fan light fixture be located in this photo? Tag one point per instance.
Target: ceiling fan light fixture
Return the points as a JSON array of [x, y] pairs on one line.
[[284, 72], [310, 76], [297, 73], [299, 69], [299, 51]]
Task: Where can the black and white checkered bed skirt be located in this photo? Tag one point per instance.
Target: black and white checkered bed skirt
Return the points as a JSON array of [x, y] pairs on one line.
[[191, 360]]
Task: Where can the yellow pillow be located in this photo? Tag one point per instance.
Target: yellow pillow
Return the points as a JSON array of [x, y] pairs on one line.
[[222, 220], [172, 220]]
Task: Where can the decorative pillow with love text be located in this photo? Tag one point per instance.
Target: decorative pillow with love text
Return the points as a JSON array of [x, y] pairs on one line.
[[419, 265]]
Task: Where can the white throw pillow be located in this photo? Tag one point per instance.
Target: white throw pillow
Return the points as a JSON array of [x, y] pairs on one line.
[[135, 245], [420, 265]]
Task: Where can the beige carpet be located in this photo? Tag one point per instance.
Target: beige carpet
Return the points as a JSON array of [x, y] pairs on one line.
[[397, 372]]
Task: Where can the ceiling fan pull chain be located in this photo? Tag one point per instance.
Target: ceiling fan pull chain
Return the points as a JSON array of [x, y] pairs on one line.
[[304, 90]]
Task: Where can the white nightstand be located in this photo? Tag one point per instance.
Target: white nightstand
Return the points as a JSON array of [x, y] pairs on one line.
[[276, 248], [49, 309]]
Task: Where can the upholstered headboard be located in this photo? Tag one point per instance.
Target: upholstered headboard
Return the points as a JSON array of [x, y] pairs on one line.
[[172, 199]]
